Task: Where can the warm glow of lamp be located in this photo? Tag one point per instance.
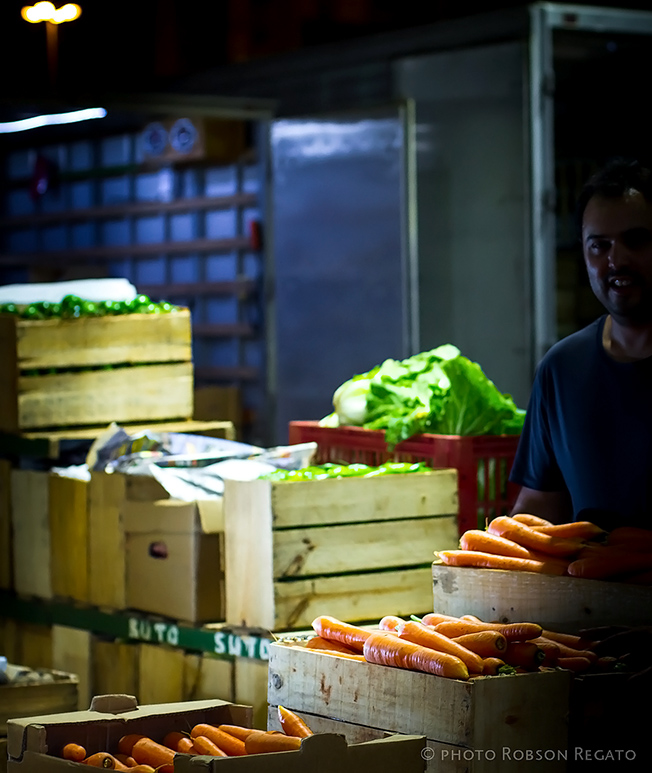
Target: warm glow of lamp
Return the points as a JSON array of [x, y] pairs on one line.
[[45, 11]]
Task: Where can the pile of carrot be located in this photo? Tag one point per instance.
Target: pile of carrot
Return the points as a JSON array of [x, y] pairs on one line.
[[524, 542], [456, 647], [142, 754]]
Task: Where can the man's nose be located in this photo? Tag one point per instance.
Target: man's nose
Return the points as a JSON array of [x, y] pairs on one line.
[[618, 256]]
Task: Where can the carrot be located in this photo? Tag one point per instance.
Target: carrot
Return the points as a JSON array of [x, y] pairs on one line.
[[390, 623], [577, 663], [433, 618], [74, 752], [583, 530], [352, 636], [418, 633], [126, 743], [236, 730], [486, 643], [569, 639], [531, 520], [478, 560], [335, 653], [490, 666], [523, 653], [265, 741], [178, 742], [529, 537], [125, 759], [319, 643], [511, 631], [609, 564], [292, 724], [569, 652], [104, 760], [485, 542], [146, 750], [632, 537], [386, 649], [550, 651], [204, 745], [234, 747]]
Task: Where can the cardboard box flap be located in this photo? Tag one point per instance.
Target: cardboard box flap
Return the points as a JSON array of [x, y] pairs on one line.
[[172, 516], [113, 704], [45, 734]]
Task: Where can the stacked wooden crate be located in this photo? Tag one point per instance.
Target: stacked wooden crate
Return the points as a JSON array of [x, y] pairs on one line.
[[117, 541], [91, 371], [495, 724], [355, 547]]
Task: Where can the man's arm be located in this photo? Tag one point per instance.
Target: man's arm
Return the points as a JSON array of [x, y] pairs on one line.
[[554, 506]]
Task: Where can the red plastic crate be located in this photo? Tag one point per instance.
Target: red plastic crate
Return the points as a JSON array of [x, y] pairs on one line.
[[483, 462]]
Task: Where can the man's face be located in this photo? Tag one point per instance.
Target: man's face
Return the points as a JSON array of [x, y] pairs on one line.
[[617, 245]]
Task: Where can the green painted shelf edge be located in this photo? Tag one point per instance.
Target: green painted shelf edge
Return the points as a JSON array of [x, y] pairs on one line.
[[216, 639]]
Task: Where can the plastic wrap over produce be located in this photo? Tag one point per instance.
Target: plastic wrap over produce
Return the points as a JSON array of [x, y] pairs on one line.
[[191, 467]]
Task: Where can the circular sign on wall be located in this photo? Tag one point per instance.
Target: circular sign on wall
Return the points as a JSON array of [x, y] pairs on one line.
[[154, 139], [183, 135]]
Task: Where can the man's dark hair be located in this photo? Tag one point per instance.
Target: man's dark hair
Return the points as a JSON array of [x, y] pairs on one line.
[[616, 177]]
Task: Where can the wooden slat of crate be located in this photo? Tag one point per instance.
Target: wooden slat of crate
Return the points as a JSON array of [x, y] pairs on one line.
[[139, 393], [36, 646], [206, 677], [31, 532], [386, 497], [526, 711], [365, 546], [29, 700], [107, 541], [360, 543], [72, 652], [160, 674], [557, 603], [114, 667], [128, 338], [6, 550], [68, 537], [250, 687], [360, 597]]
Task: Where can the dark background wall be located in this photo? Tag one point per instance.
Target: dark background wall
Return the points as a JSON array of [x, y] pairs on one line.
[[144, 45]]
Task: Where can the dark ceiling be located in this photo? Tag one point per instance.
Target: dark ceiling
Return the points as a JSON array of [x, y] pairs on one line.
[[142, 46]]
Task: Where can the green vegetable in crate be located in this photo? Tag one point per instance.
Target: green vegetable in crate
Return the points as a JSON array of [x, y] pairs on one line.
[[437, 391], [329, 470]]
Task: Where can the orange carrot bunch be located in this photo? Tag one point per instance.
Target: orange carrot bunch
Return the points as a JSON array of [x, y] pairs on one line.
[[467, 647], [525, 542], [142, 754]]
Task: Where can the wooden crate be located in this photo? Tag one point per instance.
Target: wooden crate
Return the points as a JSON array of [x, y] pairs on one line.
[[361, 547], [557, 603], [160, 387], [486, 725], [31, 533], [29, 700], [6, 551]]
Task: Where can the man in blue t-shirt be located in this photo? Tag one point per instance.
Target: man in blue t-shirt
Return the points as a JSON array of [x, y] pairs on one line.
[[586, 448]]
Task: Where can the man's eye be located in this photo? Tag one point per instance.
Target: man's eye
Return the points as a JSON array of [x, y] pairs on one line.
[[596, 247]]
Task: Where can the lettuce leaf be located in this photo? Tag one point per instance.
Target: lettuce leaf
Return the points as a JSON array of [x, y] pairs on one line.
[[437, 391]]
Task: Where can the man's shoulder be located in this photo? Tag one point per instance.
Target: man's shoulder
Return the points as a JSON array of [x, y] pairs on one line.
[[577, 346]]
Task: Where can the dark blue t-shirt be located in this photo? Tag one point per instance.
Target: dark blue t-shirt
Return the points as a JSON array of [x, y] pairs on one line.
[[588, 430]]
